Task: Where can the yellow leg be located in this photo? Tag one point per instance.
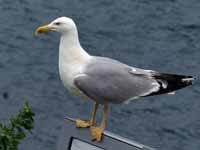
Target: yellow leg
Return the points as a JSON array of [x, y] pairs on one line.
[[86, 124], [97, 132]]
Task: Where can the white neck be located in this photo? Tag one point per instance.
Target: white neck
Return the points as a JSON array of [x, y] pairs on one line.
[[70, 50]]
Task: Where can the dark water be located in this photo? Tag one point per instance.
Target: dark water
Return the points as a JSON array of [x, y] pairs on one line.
[[154, 34]]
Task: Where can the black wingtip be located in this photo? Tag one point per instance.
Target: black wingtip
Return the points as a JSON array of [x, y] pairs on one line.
[[174, 82], [188, 80]]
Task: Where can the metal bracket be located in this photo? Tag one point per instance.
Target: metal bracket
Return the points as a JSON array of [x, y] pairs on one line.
[[73, 138]]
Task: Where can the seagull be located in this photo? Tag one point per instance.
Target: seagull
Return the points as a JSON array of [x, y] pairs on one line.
[[104, 80]]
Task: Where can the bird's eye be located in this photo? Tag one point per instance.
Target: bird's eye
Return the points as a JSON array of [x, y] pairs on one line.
[[57, 23]]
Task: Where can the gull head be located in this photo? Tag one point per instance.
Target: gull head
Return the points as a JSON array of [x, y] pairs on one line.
[[62, 25]]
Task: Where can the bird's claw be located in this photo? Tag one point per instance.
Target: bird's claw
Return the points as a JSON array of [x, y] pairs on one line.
[[83, 124], [96, 133]]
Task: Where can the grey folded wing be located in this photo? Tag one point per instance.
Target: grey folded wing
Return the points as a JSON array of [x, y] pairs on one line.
[[114, 82]]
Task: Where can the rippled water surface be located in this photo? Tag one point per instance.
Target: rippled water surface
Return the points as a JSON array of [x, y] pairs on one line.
[[152, 34]]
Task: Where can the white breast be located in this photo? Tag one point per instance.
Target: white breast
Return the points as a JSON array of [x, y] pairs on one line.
[[67, 73], [72, 59]]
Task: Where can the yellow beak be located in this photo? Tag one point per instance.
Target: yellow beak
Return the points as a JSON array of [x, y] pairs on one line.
[[42, 29]]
